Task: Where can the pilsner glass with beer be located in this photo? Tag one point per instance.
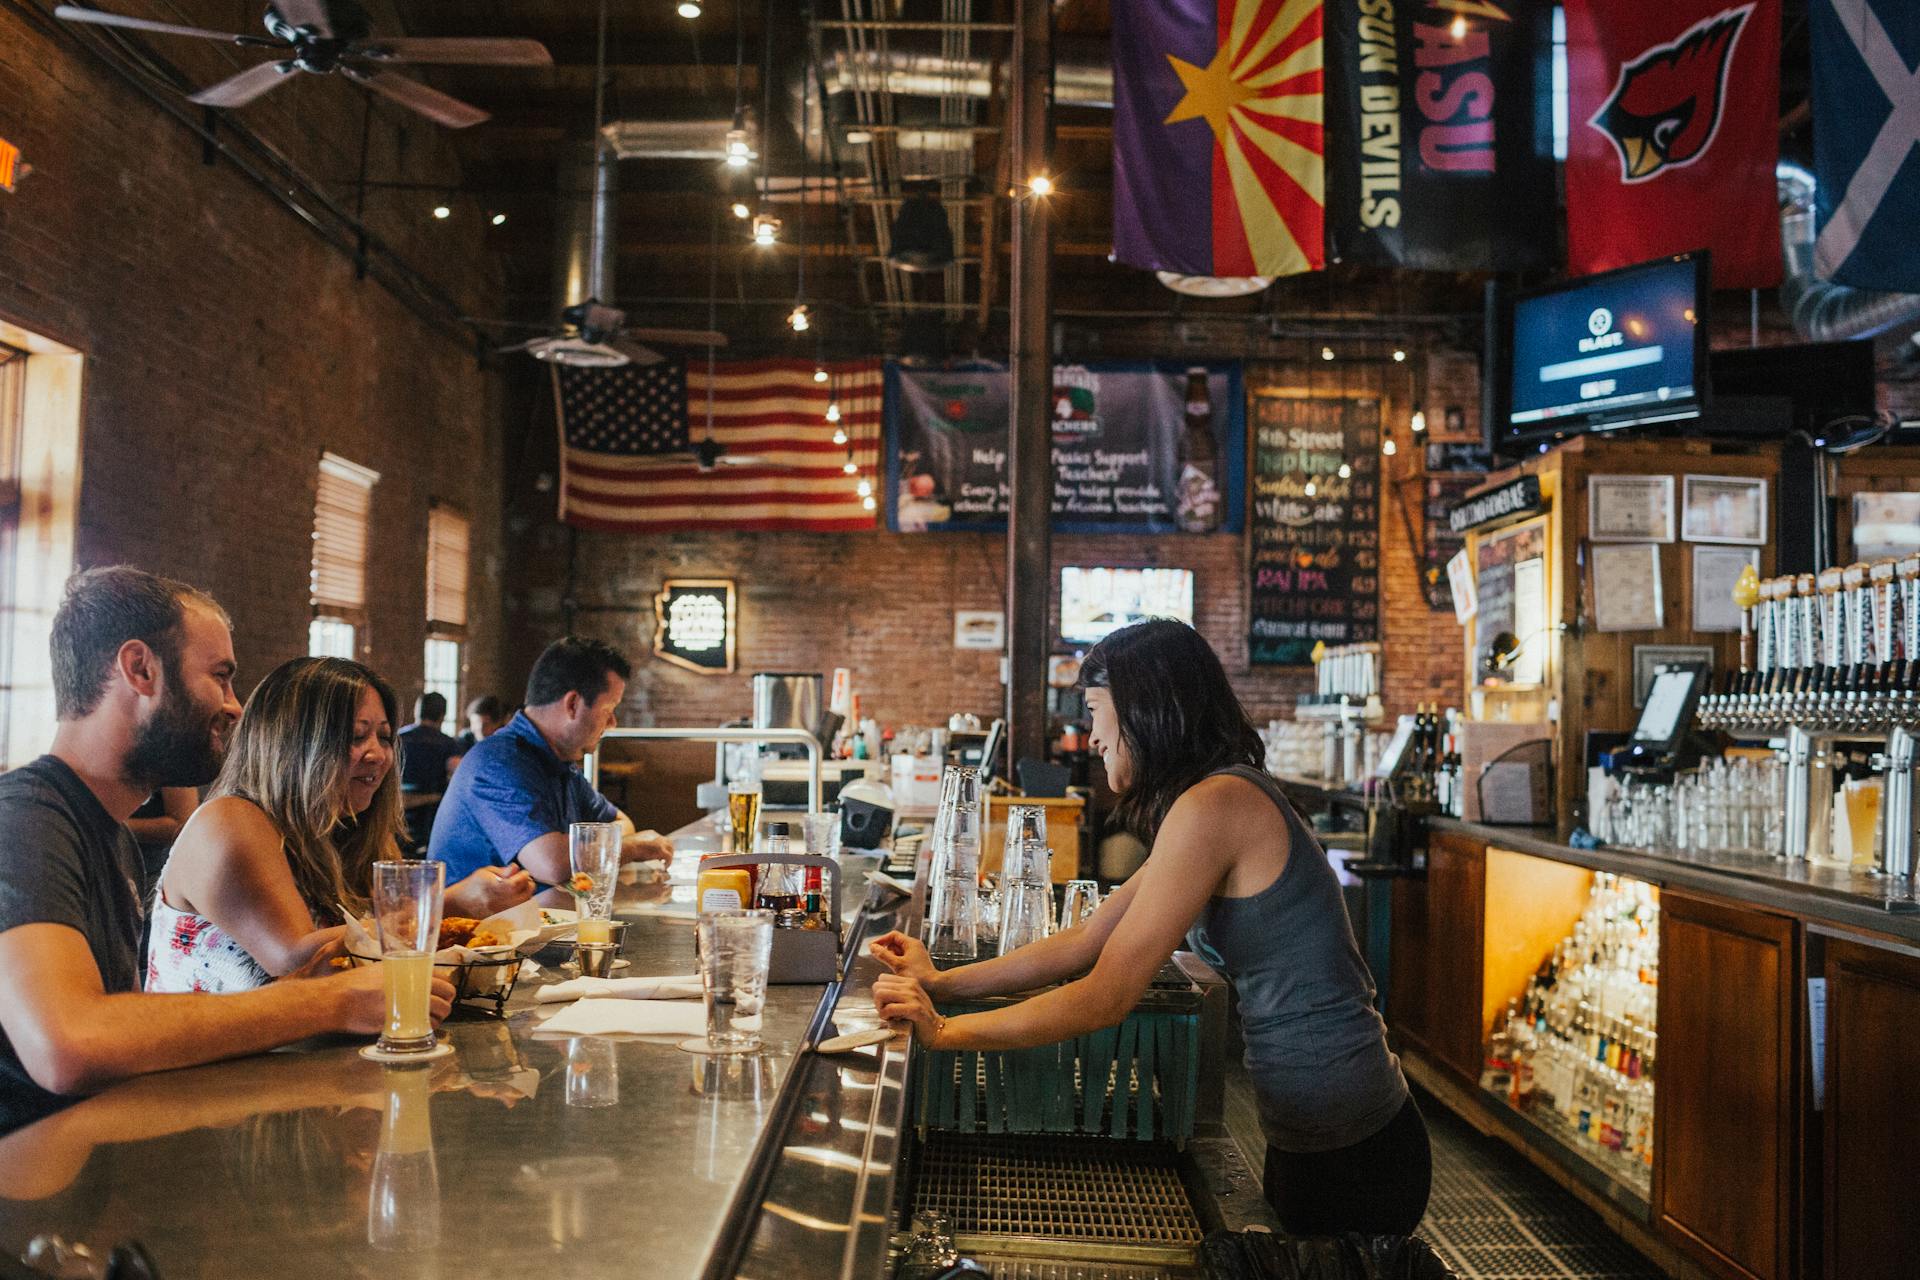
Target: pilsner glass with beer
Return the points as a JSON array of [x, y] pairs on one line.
[[743, 807], [406, 912]]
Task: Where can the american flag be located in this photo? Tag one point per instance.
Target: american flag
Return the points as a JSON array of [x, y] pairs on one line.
[[626, 432]]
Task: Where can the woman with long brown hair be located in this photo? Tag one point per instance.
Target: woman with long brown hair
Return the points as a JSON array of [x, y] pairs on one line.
[[308, 801]]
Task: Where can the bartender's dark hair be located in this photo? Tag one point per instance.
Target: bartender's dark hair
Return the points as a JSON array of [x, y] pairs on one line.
[[1178, 716], [574, 664]]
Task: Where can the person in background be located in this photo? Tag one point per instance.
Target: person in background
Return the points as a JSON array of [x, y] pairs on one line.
[[516, 792], [143, 673], [308, 801], [486, 715], [1235, 873], [427, 758]]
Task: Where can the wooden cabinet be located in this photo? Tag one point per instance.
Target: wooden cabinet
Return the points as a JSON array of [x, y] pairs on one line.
[[1456, 923], [1870, 1118], [1406, 993], [1727, 1111]]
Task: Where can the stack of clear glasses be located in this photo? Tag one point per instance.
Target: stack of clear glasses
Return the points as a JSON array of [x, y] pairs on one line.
[[1736, 806], [1026, 879], [954, 873]]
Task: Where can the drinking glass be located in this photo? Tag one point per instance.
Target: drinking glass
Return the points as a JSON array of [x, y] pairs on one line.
[[403, 1196], [735, 947], [822, 834], [957, 862], [1082, 897], [593, 848], [743, 806], [406, 913], [593, 1072]]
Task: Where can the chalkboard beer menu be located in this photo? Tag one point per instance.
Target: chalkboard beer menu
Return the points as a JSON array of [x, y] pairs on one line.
[[1313, 535]]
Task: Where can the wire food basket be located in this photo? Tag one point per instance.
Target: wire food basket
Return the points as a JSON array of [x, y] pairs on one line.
[[485, 983]]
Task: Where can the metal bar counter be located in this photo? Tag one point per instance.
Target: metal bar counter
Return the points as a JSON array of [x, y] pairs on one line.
[[516, 1156]]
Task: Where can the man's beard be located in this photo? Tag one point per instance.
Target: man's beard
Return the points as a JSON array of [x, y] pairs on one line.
[[176, 747]]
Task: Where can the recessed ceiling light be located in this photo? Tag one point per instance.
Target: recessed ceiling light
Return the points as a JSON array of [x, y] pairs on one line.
[[442, 211], [499, 219]]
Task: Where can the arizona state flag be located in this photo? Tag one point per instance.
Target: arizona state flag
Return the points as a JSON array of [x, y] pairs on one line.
[[1217, 143], [1672, 134]]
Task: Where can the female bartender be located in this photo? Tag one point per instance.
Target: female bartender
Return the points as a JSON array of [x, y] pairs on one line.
[[1234, 872]]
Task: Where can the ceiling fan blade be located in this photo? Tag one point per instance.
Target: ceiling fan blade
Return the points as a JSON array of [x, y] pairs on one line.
[[475, 51], [635, 352], [74, 13], [431, 103], [238, 91], [311, 14], [512, 348], [681, 337]]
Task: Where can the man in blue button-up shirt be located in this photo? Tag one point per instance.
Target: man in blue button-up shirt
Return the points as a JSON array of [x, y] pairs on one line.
[[514, 795]]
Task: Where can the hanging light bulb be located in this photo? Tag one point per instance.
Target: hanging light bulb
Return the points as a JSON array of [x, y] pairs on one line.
[[739, 155], [740, 209], [499, 219], [1388, 447], [851, 467], [1459, 28], [1040, 184], [1312, 488], [1419, 422], [799, 321], [864, 488], [442, 211], [1326, 353], [689, 9], [1346, 472], [766, 229], [820, 373], [833, 411], [1399, 356], [868, 502], [839, 437]]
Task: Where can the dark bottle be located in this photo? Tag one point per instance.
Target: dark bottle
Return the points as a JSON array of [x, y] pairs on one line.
[[1197, 501], [779, 882]]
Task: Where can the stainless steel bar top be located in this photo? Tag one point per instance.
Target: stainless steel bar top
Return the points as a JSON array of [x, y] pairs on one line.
[[518, 1155]]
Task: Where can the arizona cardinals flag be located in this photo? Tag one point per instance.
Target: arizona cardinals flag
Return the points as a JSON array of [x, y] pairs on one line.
[[1672, 134], [1866, 142], [1217, 141], [1434, 155]]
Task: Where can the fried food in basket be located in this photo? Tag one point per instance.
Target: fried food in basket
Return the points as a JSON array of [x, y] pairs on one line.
[[455, 931], [487, 938]]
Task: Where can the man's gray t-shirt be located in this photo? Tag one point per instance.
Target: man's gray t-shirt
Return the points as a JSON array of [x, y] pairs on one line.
[[64, 860]]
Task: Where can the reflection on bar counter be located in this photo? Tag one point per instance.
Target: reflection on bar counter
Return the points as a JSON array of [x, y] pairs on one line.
[[1577, 1049]]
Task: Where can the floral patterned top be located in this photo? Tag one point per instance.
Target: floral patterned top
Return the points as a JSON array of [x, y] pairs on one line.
[[192, 953]]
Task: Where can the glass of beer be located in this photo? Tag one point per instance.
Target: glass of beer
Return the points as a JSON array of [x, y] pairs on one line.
[[743, 808], [406, 912]]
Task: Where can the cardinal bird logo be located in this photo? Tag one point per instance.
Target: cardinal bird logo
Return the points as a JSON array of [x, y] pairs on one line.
[[1665, 110]]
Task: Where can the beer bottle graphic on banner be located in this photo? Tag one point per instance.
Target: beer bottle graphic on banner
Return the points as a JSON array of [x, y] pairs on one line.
[[1198, 501]]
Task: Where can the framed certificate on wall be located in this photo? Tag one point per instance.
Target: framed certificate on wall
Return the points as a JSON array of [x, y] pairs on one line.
[[1630, 508], [1626, 588]]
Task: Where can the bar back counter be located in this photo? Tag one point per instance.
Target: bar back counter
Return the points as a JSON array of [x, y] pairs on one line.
[[522, 1154]]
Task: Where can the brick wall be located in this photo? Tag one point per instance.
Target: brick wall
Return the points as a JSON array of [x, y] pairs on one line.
[[227, 345]]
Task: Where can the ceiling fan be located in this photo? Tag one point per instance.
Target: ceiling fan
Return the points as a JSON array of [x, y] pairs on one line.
[[593, 335], [324, 36]]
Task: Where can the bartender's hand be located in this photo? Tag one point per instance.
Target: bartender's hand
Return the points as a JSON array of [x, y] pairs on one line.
[[907, 957], [899, 999], [646, 846], [489, 891], [362, 999]]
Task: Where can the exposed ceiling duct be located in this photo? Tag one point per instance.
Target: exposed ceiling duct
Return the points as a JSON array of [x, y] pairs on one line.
[[1083, 73], [668, 139], [1822, 311], [583, 226]]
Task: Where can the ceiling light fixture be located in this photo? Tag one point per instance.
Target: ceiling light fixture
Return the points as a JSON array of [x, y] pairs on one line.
[[1459, 28], [689, 9], [1388, 447], [740, 209], [766, 229], [868, 502], [833, 412], [798, 320], [1326, 353], [820, 373], [1040, 184], [499, 219], [1399, 356], [738, 152], [442, 211], [1312, 489], [839, 436], [851, 467], [1346, 472], [1419, 422], [858, 137], [864, 488]]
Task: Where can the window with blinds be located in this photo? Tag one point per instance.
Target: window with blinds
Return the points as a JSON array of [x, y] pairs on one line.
[[447, 552], [338, 582]]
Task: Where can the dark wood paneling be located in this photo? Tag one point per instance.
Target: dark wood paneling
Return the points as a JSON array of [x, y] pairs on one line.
[[1407, 965], [1872, 1125], [1727, 1107], [1456, 918]]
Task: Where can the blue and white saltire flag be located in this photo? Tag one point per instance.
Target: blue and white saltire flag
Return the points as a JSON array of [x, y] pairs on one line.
[[1866, 141]]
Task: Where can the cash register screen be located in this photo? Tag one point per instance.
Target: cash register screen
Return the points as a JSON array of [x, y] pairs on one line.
[[1668, 703]]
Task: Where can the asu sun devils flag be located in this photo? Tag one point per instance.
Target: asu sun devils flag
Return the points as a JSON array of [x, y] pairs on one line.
[[1436, 154], [626, 432], [1217, 140], [1866, 141], [1673, 113]]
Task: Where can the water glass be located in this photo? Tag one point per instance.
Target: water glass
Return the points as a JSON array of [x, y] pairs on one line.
[[1082, 897], [735, 947], [406, 913], [593, 1072], [956, 867], [822, 834], [403, 1196], [593, 849]]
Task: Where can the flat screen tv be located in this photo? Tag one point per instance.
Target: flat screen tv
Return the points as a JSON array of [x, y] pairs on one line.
[[1095, 601], [1624, 348]]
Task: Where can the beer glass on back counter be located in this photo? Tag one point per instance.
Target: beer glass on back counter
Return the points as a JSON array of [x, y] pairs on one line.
[[743, 805]]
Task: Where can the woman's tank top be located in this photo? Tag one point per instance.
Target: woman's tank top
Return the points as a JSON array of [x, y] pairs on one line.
[[1316, 1050], [192, 953]]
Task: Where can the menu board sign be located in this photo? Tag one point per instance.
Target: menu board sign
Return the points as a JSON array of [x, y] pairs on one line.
[[1313, 555], [694, 624], [1440, 541], [1136, 448]]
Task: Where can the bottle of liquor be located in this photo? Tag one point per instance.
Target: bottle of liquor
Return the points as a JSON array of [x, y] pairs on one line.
[[779, 885], [1197, 503], [1456, 787]]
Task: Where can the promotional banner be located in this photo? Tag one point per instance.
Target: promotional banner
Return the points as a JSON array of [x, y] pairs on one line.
[[1866, 141], [1217, 136], [1437, 158], [1137, 448], [1673, 117]]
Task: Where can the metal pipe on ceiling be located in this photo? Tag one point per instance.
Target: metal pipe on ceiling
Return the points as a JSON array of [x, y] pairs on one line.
[[1821, 310]]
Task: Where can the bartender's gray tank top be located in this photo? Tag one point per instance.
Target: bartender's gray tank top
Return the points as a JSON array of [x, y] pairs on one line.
[[1316, 1050]]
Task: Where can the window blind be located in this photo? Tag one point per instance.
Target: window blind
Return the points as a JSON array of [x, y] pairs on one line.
[[446, 568], [340, 517]]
